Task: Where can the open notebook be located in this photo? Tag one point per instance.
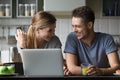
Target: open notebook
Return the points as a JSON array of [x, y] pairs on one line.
[[42, 62]]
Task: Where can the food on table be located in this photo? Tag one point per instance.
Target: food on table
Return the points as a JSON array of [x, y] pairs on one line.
[[7, 69]]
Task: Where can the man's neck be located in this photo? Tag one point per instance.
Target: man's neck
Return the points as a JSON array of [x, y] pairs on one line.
[[89, 39]]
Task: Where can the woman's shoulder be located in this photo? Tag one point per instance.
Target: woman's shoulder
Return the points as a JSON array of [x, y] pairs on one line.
[[54, 42], [55, 37]]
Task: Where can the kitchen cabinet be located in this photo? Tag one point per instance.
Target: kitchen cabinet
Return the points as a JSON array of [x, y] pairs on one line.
[[19, 8], [5, 8], [62, 7], [27, 8], [105, 23], [105, 8], [110, 7]]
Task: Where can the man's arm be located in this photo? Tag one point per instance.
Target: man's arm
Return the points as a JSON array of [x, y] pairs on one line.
[[72, 64], [114, 63], [73, 67]]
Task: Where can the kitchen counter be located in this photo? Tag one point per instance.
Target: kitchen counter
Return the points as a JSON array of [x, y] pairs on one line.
[[66, 77]]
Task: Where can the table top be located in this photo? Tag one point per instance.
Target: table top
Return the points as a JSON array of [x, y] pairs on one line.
[[60, 77]]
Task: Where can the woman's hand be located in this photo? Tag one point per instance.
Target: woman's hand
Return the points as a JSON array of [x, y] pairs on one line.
[[21, 37], [94, 71]]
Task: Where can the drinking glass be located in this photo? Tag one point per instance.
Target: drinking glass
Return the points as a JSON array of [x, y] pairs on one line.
[[84, 68]]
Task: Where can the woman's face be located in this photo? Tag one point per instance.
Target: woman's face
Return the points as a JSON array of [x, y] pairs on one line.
[[46, 33]]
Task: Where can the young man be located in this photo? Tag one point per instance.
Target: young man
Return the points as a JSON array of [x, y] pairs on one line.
[[86, 46]]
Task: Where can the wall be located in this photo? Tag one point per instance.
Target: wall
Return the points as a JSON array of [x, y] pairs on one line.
[[111, 26]]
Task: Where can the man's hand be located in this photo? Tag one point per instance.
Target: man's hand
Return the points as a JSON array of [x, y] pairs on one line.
[[66, 71], [94, 71]]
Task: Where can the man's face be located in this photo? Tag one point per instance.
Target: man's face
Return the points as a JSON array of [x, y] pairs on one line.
[[80, 28]]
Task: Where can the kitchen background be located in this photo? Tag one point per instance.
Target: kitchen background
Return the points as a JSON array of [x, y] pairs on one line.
[[107, 20]]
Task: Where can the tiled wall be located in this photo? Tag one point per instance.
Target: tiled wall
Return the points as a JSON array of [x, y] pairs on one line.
[[111, 26], [63, 27]]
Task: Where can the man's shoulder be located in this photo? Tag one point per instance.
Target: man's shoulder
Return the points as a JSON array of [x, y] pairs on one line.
[[72, 34], [103, 35]]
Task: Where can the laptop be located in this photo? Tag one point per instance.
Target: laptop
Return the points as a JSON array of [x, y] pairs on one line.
[[42, 62]]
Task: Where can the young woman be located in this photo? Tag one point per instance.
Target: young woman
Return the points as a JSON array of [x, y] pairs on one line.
[[41, 34]]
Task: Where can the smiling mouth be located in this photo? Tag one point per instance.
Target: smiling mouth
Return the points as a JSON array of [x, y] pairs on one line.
[[49, 38], [78, 34]]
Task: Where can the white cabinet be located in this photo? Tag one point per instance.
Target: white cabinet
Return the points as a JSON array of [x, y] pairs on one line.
[[62, 6]]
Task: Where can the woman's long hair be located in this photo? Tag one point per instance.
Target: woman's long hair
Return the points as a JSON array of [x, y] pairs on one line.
[[41, 19]]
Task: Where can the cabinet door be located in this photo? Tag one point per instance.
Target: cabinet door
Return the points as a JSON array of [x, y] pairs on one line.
[[5, 8], [26, 8], [62, 5], [111, 7]]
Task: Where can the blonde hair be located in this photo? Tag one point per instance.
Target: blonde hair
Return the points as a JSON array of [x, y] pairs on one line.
[[40, 20]]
